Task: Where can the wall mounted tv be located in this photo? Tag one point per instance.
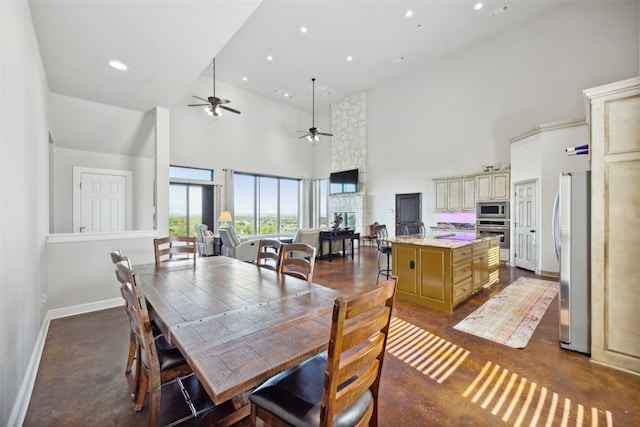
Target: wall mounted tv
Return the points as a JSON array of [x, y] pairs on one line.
[[343, 182]]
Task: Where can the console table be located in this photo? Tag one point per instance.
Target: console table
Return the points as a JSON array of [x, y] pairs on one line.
[[333, 235]]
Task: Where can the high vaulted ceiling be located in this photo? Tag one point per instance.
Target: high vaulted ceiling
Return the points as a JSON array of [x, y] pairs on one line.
[[168, 44]]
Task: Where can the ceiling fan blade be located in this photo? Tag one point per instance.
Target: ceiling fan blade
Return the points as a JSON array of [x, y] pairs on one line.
[[304, 136], [230, 109], [201, 99], [325, 134], [198, 105], [222, 101]]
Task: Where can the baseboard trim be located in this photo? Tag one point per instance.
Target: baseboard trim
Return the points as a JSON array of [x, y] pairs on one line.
[[85, 308], [549, 273], [19, 411]]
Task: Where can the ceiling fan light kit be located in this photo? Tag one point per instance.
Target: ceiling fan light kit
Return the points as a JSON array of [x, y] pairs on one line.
[[214, 105], [313, 135]]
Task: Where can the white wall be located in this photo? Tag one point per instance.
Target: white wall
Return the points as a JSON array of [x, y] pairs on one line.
[[262, 139], [542, 157], [458, 113], [65, 159], [24, 194]]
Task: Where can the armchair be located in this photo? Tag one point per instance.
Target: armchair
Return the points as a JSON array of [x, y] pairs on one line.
[[204, 237], [234, 248]]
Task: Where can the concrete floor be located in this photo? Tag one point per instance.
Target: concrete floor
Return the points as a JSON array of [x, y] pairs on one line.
[[81, 377]]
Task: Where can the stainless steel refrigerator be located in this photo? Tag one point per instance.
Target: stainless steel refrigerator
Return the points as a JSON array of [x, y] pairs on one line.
[[571, 232]]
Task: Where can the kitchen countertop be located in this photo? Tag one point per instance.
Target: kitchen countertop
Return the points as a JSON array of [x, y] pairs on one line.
[[440, 240]]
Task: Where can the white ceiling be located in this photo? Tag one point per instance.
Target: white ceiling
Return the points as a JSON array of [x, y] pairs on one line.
[[167, 44]]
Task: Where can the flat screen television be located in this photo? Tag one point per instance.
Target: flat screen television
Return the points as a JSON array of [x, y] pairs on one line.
[[343, 182]]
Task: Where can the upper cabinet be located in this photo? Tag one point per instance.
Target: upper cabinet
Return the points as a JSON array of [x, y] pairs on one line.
[[493, 186], [455, 194]]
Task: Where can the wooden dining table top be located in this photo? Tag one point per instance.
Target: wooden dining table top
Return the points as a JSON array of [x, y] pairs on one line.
[[237, 324]]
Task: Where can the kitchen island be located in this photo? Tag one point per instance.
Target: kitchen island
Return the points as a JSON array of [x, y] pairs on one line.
[[441, 270]]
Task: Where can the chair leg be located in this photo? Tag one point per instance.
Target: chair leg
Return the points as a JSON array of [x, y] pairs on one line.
[[132, 352], [142, 392], [252, 417]]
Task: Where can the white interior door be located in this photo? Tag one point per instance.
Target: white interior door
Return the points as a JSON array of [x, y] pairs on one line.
[[102, 198], [525, 226]]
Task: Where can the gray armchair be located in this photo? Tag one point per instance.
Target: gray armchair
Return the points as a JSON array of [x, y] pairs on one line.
[[235, 248], [204, 238]]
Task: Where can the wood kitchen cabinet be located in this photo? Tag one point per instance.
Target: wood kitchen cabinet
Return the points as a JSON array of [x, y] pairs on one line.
[[441, 274], [614, 116], [493, 186], [480, 266], [455, 194]]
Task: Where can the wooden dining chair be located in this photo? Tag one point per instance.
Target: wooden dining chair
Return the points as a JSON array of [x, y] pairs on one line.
[[116, 257], [174, 248], [339, 387], [269, 254], [157, 365], [298, 260]]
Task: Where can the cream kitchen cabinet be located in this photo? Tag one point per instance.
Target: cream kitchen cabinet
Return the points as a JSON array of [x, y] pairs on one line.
[[455, 194], [493, 186], [614, 116]]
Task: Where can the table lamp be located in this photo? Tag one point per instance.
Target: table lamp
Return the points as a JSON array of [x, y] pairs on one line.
[[225, 218]]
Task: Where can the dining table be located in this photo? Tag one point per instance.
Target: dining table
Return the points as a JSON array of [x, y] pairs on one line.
[[237, 324]]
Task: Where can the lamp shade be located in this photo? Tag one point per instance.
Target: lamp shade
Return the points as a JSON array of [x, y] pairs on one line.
[[225, 216]]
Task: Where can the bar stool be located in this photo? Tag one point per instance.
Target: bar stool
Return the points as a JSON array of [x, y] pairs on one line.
[[384, 248]]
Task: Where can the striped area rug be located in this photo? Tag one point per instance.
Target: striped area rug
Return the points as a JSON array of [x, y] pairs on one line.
[[511, 316]]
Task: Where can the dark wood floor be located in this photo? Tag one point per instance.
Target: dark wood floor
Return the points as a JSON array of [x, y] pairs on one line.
[[81, 378]]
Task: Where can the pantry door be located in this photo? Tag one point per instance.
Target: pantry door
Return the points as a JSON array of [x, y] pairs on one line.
[[525, 252]]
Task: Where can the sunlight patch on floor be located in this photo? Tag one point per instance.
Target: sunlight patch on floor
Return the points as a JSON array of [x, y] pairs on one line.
[[522, 402], [427, 353]]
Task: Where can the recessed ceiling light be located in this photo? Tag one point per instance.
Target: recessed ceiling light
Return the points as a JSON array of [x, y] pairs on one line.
[[398, 59], [408, 13], [121, 66], [244, 78], [478, 6], [349, 58], [303, 29], [269, 58]]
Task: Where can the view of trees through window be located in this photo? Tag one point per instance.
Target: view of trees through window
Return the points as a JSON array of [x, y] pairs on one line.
[[266, 204], [190, 203]]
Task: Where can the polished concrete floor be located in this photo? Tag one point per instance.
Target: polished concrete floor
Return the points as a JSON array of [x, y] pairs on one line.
[[81, 378]]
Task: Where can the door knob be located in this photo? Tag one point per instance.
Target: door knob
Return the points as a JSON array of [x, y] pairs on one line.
[[532, 231]]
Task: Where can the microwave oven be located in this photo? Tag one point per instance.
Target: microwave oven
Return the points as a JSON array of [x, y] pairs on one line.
[[492, 210]]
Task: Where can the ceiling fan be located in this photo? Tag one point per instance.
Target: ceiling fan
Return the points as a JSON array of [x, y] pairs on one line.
[[213, 103], [313, 135]]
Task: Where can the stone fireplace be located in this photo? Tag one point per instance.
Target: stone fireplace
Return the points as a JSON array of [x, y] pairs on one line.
[[349, 151]]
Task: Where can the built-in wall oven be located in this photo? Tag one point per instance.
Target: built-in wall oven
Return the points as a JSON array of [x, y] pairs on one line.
[[500, 228]]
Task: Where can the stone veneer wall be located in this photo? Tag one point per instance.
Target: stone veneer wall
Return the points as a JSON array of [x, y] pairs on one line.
[[349, 151]]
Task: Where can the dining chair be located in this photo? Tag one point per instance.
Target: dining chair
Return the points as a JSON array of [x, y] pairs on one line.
[[384, 248], [338, 387], [269, 254], [421, 228], [174, 248], [116, 257], [157, 365], [298, 260], [402, 229]]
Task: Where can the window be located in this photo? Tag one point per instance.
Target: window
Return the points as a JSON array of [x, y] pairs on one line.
[[190, 200], [321, 203], [265, 204]]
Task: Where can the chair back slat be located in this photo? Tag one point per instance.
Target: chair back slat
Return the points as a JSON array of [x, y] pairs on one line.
[[293, 265], [360, 322], [270, 254], [166, 247]]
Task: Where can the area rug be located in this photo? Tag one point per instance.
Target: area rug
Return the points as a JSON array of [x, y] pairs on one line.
[[511, 316]]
